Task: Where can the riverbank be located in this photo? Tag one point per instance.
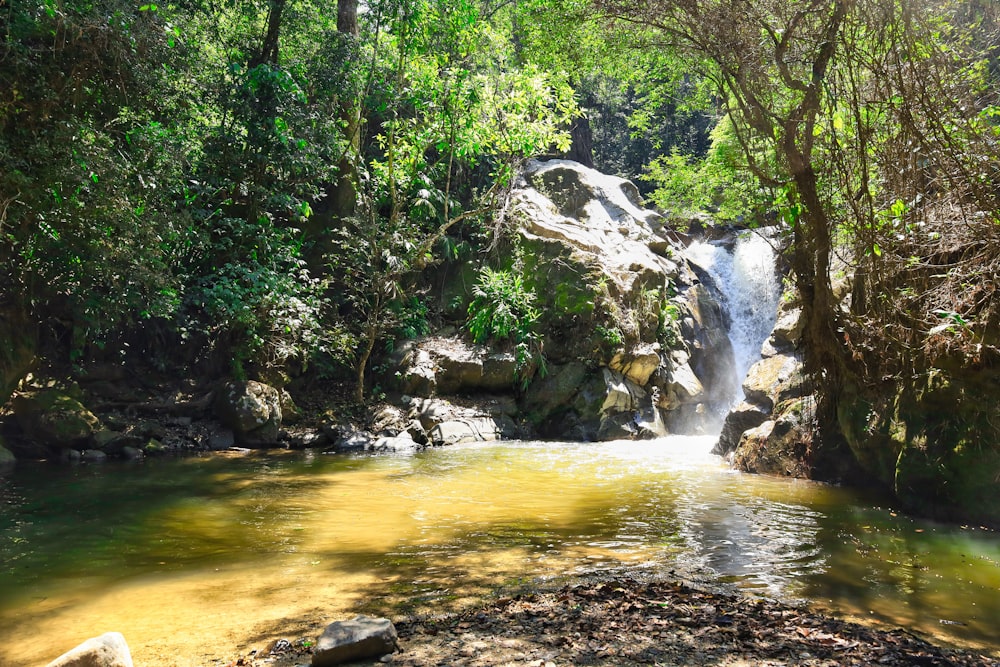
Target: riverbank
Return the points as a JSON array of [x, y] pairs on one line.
[[624, 621]]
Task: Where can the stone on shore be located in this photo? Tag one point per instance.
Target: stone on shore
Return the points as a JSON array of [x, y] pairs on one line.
[[252, 410], [108, 650], [358, 639]]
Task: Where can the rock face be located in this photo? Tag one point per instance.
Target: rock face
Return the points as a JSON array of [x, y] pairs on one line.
[[252, 410], [108, 650], [932, 440], [361, 638], [772, 431], [55, 419], [634, 342]]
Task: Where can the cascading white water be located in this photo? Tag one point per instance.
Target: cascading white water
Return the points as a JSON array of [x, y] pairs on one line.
[[746, 275]]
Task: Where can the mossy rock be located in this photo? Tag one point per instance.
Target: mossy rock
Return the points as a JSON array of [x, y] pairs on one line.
[[55, 419], [933, 442]]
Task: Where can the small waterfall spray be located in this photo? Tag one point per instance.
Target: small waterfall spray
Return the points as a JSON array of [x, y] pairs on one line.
[[746, 275]]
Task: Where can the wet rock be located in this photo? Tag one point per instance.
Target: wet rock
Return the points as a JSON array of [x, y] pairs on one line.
[[108, 441], [108, 650], [352, 440], [361, 638], [131, 453], [394, 444], [154, 447], [93, 456], [53, 418], [417, 432], [619, 426], [7, 459], [308, 439], [743, 417], [252, 410], [474, 429], [70, 456], [780, 446], [221, 440], [556, 390]]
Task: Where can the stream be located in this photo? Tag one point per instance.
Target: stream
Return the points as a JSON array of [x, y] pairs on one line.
[[194, 559]]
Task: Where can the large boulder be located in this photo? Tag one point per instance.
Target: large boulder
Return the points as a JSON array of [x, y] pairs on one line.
[[474, 429], [740, 419], [593, 256], [361, 638], [444, 423], [780, 446], [54, 418], [553, 393], [252, 410], [932, 439], [446, 366], [108, 650]]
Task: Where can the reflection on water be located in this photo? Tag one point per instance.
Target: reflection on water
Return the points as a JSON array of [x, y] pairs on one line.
[[201, 557]]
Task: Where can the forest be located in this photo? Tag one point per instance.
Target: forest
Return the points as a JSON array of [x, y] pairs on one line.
[[258, 240], [253, 189]]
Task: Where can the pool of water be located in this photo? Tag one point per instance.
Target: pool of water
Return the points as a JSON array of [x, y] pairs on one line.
[[196, 559]]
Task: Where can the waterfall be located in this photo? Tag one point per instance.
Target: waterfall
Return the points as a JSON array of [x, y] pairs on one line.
[[746, 275]]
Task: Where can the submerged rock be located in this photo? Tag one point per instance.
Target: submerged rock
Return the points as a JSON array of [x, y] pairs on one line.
[[108, 650], [361, 638], [7, 459]]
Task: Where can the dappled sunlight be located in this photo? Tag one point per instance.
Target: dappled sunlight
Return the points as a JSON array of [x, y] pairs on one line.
[[210, 558]]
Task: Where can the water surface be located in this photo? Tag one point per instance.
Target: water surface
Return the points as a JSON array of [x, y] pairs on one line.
[[197, 559]]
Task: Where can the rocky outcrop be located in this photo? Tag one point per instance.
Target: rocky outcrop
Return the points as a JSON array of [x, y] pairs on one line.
[[361, 638], [634, 343], [252, 410], [447, 424], [931, 439], [773, 430], [446, 366], [53, 418], [108, 650]]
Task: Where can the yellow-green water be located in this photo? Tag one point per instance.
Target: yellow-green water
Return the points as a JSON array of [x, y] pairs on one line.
[[197, 559]]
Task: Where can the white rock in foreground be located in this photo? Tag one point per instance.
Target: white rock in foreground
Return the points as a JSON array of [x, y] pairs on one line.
[[108, 650]]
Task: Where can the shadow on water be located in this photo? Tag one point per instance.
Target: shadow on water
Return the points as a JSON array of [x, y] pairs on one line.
[[60, 521], [284, 542]]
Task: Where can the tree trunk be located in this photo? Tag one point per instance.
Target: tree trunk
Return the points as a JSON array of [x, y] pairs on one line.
[[269, 48], [345, 193]]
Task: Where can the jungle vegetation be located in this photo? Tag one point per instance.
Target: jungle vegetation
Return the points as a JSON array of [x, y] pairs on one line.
[[243, 185]]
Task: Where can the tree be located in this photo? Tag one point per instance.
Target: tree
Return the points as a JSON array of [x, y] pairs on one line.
[[770, 62], [449, 124]]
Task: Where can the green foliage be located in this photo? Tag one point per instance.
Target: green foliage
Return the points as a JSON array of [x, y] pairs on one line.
[[503, 310]]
